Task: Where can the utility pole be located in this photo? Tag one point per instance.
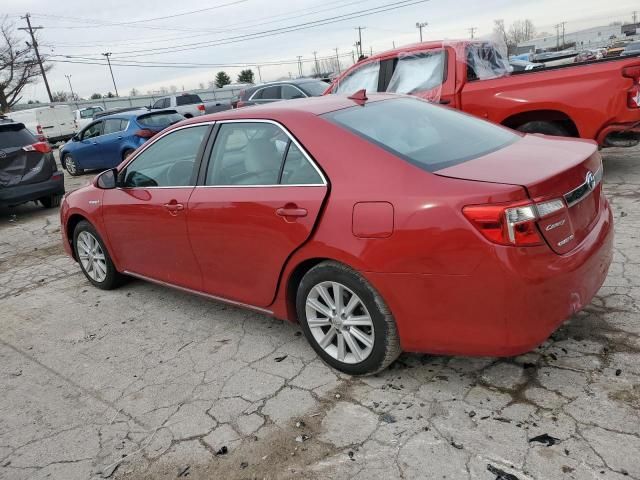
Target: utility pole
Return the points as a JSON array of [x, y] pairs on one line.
[[563, 42], [420, 26], [635, 16], [315, 57], [338, 60], [299, 66], [472, 31], [108, 54], [34, 44], [557, 25], [73, 95], [260, 75], [359, 44]]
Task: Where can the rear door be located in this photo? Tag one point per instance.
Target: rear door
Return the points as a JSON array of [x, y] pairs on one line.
[[256, 202]]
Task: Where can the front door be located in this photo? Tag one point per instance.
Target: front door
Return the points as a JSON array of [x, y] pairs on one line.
[[86, 150], [146, 216], [260, 198], [109, 142]]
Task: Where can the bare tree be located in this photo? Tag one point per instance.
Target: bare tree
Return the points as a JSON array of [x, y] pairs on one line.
[[500, 31], [18, 66], [134, 92], [201, 85], [173, 89], [521, 31]]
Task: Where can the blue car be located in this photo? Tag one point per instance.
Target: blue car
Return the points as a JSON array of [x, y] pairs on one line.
[[108, 140]]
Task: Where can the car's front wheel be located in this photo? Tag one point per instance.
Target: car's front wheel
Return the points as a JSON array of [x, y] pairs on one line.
[[71, 166], [345, 320], [93, 257]]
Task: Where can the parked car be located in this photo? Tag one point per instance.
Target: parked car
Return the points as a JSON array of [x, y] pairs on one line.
[[459, 236], [191, 105], [28, 171], [632, 48], [597, 100], [283, 90], [84, 116], [53, 123], [106, 142], [518, 65], [590, 55]]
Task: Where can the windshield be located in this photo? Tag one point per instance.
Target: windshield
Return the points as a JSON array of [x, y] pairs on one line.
[[313, 89], [429, 136]]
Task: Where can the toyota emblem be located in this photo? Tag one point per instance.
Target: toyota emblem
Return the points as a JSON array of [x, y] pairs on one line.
[[591, 180], [2, 154]]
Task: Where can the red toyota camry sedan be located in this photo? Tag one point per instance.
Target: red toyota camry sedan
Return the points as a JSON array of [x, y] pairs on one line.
[[379, 224]]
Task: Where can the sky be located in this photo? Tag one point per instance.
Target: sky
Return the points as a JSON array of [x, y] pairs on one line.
[[230, 32]]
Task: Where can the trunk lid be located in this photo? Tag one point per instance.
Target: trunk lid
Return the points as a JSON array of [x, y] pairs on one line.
[[548, 168]]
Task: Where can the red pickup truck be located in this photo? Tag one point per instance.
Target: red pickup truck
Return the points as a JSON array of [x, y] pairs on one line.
[[599, 100]]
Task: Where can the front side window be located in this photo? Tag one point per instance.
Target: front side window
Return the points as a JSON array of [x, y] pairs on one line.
[[418, 72], [159, 104], [364, 77], [168, 162], [425, 135], [88, 112], [92, 131], [254, 153]]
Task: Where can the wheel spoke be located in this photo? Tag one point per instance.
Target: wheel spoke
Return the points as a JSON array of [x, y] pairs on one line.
[[358, 321], [328, 338], [322, 290], [337, 296], [318, 307], [353, 346], [99, 256], [354, 301], [341, 349], [318, 322], [363, 337], [101, 266]]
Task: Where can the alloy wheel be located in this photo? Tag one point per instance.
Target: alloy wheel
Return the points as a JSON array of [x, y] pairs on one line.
[[340, 322], [91, 256], [70, 164]]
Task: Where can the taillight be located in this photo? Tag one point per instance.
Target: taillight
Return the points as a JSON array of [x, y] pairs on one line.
[[511, 224], [201, 107], [633, 97], [145, 133], [39, 130], [42, 147]]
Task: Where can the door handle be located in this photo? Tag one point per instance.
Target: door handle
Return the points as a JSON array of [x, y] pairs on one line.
[[291, 211], [174, 207]]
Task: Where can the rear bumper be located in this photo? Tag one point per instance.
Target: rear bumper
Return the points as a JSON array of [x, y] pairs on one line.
[[511, 303], [33, 191], [620, 135]]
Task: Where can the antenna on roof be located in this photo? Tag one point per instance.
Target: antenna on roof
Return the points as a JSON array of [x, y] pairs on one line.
[[359, 97]]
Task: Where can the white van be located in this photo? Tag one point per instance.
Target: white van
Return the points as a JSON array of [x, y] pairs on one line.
[[55, 122], [84, 116]]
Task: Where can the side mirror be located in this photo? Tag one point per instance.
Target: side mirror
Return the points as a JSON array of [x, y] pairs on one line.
[[107, 179], [75, 138]]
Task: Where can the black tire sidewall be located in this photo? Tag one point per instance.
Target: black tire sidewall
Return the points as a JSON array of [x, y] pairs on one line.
[[545, 128], [113, 277], [329, 272]]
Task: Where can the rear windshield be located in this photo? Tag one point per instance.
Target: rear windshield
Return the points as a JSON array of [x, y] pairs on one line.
[[187, 99], [313, 89], [426, 135], [15, 135], [160, 119]]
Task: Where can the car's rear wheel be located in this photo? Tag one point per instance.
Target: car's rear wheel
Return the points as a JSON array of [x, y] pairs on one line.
[[71, 166], [93, 257], [51, 201], [345, 320], [546, 128]]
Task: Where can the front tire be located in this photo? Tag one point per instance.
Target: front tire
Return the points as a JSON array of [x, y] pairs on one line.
[[93, 257], [71, 166], [345, 320]]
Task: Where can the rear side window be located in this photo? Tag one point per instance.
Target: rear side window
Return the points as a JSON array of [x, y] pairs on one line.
[[160, 119], [188, 99], [271, 93], [425, 135], [364, 77], [15, 135]]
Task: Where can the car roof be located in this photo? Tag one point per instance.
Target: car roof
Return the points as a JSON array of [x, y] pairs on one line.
[[279, 111]]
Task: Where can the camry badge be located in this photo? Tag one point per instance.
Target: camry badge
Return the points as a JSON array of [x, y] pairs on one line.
[[591, 180]]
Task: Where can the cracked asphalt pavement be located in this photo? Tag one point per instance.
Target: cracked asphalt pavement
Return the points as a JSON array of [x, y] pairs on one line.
[[145, 382]]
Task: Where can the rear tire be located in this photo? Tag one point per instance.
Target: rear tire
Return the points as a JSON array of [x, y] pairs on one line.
[[51, 201], [546, 128], [93, 257], [365, 339], [71, 166]]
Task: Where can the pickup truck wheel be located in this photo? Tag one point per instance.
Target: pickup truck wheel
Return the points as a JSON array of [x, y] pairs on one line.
[[70, 165], [546, 128], [345, 320], [51, 201]]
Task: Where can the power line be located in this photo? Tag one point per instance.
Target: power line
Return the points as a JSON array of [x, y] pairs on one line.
[[34, 44], [107, 55]]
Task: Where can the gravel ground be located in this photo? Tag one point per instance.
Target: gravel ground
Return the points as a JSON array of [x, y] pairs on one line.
[[146, 382]]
